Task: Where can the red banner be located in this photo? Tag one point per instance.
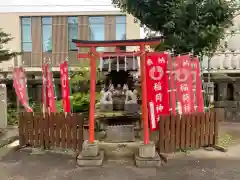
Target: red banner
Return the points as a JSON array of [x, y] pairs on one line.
[[184, 84], [198, 98], [20, 85], [157, 87], [48, 94], [50, 90], [44, 87], [65, 87]]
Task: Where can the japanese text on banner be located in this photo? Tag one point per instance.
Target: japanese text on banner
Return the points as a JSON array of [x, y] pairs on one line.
[[50, 90], [20, 85], [184, 84], [198, 94], [157, 87], [44, 87], [65, 87]]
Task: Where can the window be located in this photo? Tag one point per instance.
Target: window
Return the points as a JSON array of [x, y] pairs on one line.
[[120, 27], [26, 34], [47, 34], [96, 24], [72, 32]]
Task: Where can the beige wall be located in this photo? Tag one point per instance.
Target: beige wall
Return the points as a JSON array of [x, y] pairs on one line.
[[10, 23], [234, 39], [132, 31]]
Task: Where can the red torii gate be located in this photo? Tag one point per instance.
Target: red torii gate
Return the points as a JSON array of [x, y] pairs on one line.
[[93, 55]]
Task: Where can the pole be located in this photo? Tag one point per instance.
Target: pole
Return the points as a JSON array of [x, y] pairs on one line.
[[70, 84], [44, 91], [16, 64], [144, 96], [92, 95]]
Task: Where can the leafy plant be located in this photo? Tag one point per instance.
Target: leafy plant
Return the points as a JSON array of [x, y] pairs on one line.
[[59, 106], [6, 54], [80, 81], [225, 140], [12, 114], [80, 102], [83, 75], [185, 25]]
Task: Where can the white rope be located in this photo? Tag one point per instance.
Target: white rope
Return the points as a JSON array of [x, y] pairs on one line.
[[109, 64], [125, 61], [101, 64], [134, 65], [117, 64]]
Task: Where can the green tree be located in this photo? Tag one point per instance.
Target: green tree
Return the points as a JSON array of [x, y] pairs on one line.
[[6, 54], [185, 25], [49, 44], [80, 84]]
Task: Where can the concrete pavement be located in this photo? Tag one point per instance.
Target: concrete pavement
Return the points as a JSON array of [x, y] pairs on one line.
[[197, 165], [21, 165]]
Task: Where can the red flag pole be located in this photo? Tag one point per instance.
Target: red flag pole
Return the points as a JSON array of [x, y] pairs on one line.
[[172, 87], [92, 96], [144, 96], [44, 87]]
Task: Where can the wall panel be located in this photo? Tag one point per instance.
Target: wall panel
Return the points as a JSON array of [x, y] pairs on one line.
[[83, 34], [36, 59], [60, 40], [110, 30]]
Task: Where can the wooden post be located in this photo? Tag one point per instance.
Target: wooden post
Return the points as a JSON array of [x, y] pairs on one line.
[[92, 95], [144, 96]]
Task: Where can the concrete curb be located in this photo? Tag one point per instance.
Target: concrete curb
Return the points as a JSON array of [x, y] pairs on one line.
[[7, 141], [39, 151]]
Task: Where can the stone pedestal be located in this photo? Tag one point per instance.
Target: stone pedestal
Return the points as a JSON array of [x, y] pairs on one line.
[[131, 108], [90, 155], [3, 106], [120, 133], [147, 156], [106, 107]]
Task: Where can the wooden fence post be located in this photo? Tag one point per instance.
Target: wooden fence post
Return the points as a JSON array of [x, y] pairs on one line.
[[216, 127], [21, 129]]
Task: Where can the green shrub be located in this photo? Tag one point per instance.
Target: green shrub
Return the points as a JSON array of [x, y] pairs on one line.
[[79, 102], [12, 114]]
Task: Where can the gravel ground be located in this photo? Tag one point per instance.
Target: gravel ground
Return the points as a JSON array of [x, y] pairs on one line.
[[22, 166]]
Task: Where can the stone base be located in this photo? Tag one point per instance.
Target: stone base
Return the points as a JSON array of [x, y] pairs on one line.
[[106, 107], [90, 149], [148, 162], [131, 108], [147, 150], [90, 161], [120, 133]]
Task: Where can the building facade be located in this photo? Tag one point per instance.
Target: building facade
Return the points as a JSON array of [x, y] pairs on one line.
[[222, 75], [49, 35], [40, 35]]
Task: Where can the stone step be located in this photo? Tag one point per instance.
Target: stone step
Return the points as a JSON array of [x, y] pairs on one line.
[[126, 161], [98, 152], [119, 150]]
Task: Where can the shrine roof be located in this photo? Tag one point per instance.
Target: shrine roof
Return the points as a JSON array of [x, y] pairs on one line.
[[122, 42]]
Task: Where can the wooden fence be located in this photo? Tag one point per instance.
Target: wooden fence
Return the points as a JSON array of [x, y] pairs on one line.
[[53, 131], [187, 132]]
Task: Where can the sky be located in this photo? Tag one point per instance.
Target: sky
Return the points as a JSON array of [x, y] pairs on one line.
[[55, 5]]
